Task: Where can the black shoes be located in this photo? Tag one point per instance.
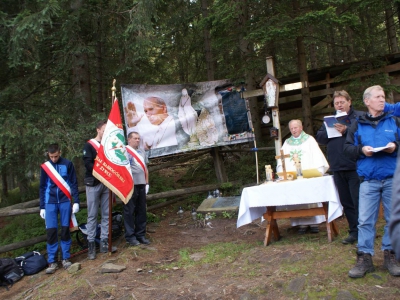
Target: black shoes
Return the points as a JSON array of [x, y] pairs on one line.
[[303, 229], [363, 266], [349, 240], [134, 242], [144, 241], [138, 241], [314, 229]]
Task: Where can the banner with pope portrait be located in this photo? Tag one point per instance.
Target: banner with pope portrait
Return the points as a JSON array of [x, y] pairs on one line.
[[177, 118]]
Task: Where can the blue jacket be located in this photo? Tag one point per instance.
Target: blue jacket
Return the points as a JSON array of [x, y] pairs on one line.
[[374, 132], [49, 192], [393, 108], [338, 161]]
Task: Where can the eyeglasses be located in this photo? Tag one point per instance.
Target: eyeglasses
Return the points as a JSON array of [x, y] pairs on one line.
[[340, 102]]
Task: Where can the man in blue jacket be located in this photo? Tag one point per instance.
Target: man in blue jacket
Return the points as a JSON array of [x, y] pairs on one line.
[[342, 166], [58, 185], [394, 226], [374, 141]]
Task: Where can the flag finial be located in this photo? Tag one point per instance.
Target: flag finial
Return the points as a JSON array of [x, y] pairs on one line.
[[113, 89]]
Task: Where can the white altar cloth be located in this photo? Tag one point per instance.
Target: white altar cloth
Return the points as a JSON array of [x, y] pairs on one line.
[[255, 199]]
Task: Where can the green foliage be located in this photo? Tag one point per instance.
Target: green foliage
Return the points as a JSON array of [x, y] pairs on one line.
[[14, 196], [20, 228], [356, 87], [152, 218], [229, 215], [213, 253]]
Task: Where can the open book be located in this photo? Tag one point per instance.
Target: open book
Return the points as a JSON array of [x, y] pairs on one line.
[[330, 121], [340, 117]]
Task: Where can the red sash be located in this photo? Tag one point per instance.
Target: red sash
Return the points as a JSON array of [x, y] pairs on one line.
[[138, 159], [95, 144], [63, 186]]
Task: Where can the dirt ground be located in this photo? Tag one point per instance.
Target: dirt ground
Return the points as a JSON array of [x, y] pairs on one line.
[[185, 261]]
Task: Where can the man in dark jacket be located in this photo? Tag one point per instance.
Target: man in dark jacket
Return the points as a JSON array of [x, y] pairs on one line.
[[96, 195], [374, 141], [343, 167]]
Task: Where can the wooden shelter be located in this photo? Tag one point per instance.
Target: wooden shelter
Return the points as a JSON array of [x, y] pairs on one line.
[[322, 84]]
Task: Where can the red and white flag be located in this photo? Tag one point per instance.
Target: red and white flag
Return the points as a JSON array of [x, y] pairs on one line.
[[111, 165]]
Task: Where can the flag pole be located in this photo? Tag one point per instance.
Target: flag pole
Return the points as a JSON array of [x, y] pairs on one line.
[[110, 193]]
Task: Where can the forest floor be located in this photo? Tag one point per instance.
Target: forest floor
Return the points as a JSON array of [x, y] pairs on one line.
[[185, 261]]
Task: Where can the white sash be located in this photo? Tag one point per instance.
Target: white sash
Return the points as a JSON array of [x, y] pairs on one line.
[[138, 159], [95, 144], [58, 180]]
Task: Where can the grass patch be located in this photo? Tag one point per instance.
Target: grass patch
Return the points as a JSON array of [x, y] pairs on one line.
[[212, 254]]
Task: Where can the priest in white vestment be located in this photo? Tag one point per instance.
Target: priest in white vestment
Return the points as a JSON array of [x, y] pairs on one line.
[[303, 146]]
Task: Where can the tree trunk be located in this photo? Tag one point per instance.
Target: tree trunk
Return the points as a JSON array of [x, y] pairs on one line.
[[23, 182], [207, 43], [313, 53], [4, 184], [350, 46], [391, 27], [99, 77], [247, 53], [313, 56], [305, 91], [81, 77]]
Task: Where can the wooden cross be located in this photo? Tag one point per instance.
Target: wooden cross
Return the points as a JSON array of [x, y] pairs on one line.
[[282, 158]]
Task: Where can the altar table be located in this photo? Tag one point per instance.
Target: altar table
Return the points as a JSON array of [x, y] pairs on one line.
[[262, 200]]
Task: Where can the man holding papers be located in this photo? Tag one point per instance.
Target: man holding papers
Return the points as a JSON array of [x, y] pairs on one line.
[[375, 169], [342, 166]]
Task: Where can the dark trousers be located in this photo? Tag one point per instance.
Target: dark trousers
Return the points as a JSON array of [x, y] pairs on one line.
[[348, 185], [135, 214]]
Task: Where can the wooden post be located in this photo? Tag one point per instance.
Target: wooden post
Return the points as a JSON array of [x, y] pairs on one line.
[[219, 165], [110, 193], [275, 110]]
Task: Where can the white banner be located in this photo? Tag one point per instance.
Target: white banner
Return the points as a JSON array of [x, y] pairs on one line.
[[184, 117]]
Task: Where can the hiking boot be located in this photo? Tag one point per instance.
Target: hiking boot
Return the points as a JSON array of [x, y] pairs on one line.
[[364, 265], [52, 268], [104, 247], [66, 264], [144, 241], [391, 263], [91, 250], [349, 240]]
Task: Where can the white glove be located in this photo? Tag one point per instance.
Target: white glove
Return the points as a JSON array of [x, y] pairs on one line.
[[42, 213], [75, 208], [147, 188]]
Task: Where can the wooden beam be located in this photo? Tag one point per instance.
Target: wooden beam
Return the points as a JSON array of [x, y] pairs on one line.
[[327, 82], [323, 103]]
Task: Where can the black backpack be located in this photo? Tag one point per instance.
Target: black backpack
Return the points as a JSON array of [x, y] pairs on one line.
[[32, 262], [10, 272]]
